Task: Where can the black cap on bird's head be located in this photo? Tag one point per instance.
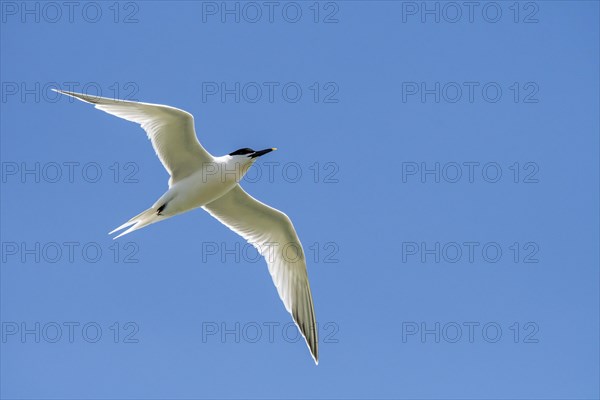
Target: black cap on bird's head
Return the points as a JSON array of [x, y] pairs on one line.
[[251, 153]]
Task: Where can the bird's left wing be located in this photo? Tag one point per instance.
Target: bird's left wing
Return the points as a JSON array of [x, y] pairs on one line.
[[170, 130], [274, 236]]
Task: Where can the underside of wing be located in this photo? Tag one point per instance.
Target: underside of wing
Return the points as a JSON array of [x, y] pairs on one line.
[[274, 236], [170, 130]]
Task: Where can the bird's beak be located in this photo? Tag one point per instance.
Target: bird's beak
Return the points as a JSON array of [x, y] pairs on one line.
[[262, 152]]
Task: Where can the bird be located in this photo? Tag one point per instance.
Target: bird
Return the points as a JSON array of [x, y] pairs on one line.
[[200, 180]]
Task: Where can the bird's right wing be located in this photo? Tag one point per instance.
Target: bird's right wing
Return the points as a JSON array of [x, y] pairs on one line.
[[170, 130], [274, 236]]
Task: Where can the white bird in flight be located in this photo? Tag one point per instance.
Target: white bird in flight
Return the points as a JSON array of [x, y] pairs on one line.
[[200, 180]]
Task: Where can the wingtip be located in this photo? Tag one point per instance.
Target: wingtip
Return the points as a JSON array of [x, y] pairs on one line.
[[61, 91], [314, 352], [86, 98]]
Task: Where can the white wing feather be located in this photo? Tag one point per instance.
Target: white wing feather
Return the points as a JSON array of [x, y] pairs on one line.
[[274, 236], [170, 130]]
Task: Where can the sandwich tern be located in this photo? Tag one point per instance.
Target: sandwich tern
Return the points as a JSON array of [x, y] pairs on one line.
[[199, 179]]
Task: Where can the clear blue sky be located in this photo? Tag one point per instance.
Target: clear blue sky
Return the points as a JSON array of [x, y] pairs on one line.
[[447, 200]]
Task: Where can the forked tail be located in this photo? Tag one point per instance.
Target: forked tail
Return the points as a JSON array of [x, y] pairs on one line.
[[141, 220]]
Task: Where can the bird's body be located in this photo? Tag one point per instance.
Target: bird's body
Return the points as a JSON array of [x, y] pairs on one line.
[[210, 182], [199, 179]]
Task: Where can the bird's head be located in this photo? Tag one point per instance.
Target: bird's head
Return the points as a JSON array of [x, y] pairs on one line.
[[241, 160], [246, 154]]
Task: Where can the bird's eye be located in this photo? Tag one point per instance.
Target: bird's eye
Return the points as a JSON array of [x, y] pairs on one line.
[[242, 152]]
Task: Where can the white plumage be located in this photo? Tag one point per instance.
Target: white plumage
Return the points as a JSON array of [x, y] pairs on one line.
[[200, 180]]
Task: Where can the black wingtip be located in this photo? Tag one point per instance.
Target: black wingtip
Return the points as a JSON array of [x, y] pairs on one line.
[[79, 96]]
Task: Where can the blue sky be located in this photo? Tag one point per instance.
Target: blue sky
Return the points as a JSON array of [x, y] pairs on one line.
[[440, 164]]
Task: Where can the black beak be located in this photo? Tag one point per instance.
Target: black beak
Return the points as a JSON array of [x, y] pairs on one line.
[[261, 152]]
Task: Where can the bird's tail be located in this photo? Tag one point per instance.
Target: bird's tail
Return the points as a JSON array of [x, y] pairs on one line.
[[141, 220]]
